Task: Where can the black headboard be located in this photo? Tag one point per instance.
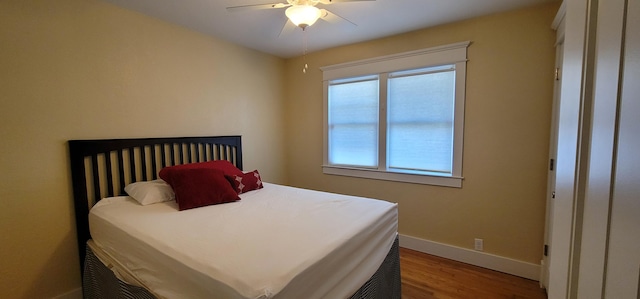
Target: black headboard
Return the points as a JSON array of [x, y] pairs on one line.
[[102, 168]]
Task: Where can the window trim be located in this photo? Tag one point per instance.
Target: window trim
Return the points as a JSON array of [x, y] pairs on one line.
[[455, 54]]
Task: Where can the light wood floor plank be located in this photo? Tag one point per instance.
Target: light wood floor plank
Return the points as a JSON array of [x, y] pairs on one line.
[[426, 276]]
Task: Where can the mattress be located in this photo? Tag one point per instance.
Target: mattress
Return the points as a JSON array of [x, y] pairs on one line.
[[276, 242]]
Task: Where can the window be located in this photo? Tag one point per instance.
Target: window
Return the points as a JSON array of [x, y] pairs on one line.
[[397, 117]]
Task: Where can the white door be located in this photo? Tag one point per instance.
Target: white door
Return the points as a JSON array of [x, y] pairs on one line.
[[595, 215], [569, 162], [623, 254], [551, 176]]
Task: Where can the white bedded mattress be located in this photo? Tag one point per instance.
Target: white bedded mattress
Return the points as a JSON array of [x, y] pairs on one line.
[[276, 242]]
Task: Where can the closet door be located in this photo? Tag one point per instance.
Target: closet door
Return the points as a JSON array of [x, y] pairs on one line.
[[553, 148], [570, 130], [623, 262], [595, 249], [593, 230]]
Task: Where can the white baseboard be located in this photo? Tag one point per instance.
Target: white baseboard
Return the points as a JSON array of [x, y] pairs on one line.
[[73, 294], [477, 258]]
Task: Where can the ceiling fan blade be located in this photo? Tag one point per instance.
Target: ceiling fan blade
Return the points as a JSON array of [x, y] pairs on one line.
[[287, 29], [256, 7], [334, 18], [341, 1]]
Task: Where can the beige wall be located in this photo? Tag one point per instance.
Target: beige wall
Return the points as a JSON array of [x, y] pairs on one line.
[[73, 69], [507, 120]]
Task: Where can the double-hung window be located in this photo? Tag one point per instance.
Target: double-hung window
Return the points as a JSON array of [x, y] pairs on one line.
[[397, 117]]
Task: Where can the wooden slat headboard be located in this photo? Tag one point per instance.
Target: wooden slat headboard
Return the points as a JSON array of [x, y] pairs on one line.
[[102, 168]]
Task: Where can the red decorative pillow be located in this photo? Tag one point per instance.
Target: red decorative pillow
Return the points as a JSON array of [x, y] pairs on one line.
[[246, 181], [198, 187], [225, 166]]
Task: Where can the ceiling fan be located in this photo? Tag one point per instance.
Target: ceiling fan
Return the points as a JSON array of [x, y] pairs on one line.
[[302, 13]]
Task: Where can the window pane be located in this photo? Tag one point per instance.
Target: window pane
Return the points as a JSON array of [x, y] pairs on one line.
[[420, 121], [353, 123]]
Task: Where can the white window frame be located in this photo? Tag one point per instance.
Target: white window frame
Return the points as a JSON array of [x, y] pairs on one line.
[[454, 54]]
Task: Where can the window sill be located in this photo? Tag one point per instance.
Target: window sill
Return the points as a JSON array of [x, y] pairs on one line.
[[446, 181]]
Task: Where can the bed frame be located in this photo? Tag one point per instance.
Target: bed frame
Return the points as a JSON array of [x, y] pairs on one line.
[[102, 168]]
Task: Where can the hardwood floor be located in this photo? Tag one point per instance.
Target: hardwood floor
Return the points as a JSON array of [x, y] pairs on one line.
[[427, 276]]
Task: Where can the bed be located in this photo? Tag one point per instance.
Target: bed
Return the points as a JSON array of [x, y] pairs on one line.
[[274, 242]]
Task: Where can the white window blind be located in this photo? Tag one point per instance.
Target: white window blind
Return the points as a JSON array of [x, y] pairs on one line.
[[420, 120], [397, 117], [353, 122]]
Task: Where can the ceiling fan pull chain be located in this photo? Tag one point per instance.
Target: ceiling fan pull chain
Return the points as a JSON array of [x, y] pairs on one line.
[[304, 51]]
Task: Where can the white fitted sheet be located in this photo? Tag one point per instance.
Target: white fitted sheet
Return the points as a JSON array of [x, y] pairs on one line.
[[276, 242]]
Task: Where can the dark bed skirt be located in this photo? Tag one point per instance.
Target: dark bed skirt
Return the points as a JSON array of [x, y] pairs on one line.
[[385, 283], [98, 281]]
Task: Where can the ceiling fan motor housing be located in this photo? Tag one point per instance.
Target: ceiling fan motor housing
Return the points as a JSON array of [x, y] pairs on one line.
[[303, 2]]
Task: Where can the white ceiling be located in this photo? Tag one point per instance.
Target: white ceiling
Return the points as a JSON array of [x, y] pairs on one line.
[[261, 29]]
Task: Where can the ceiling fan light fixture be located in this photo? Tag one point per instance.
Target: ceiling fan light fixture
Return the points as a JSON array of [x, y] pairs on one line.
[[303, 15]]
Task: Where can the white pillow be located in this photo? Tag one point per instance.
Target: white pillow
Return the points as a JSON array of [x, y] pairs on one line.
[[150, 192]]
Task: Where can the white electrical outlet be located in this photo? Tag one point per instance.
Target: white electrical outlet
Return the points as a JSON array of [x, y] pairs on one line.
[[479, 245]]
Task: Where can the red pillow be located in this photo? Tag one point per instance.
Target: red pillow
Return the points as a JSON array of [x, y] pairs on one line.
[[198, 187], [246, 181], [227, 168]]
